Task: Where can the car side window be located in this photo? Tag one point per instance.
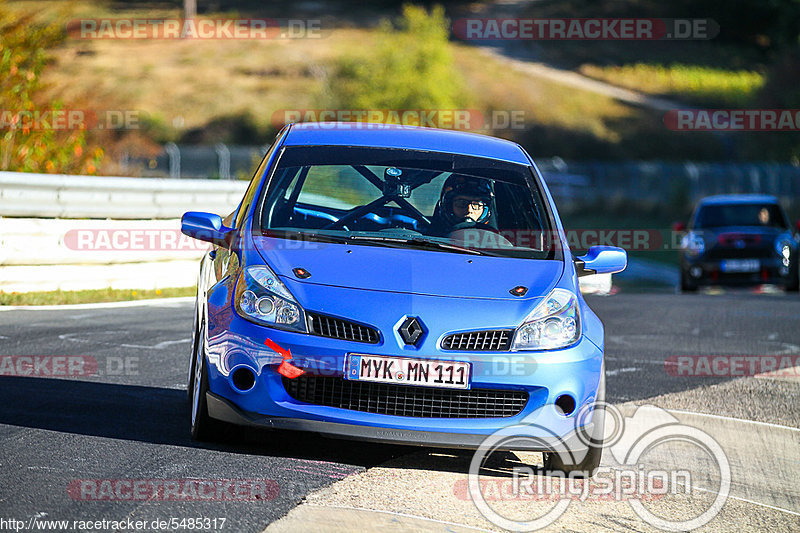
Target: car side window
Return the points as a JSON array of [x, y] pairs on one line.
[[249, 195]]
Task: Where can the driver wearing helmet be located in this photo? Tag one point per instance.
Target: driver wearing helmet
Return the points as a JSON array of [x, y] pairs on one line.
[[465, 202]]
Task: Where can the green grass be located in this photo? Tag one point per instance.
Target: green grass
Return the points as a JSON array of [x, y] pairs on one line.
[[90, 296], [690, 83]]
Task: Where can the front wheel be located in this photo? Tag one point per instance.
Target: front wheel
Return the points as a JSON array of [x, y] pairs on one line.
[[686, 285], [564, 463], [204, 428], [193, 356], [793, 285]]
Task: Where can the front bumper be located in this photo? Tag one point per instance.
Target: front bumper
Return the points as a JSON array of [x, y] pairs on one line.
[[545, 376], [221, 409], [770, 271], [233, 342]]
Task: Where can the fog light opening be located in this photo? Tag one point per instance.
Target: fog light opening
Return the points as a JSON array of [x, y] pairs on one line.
[[243, 379], [566, 404]]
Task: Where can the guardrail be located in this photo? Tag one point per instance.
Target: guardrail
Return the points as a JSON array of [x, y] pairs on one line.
[[46, 247], [61, 196]]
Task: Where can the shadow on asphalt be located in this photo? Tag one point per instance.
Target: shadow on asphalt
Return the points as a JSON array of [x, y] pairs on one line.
[[161, 416]]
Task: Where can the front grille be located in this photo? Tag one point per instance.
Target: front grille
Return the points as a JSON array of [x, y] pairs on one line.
[[405, 400], [498, 340], [337, 328], [720, 252]]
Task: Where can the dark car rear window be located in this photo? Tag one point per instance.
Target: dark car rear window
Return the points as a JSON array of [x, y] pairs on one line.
[[755, 214]]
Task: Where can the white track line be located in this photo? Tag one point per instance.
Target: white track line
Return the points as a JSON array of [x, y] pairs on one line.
[[102, 305], [621, 370], [721, 417], [795, 513]]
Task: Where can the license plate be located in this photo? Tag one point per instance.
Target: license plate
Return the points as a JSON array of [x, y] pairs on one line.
[[740, 265], [405, 371]]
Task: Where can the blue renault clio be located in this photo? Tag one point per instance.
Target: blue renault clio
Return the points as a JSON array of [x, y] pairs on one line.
[[396, 284]]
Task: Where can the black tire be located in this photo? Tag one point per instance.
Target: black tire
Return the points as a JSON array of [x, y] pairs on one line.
[[204, 428], [192, 357], [560, 464], [686, 285], [794, 283]]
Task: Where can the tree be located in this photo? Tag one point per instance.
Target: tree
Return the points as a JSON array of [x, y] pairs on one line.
[[29, 144], [411, 67]]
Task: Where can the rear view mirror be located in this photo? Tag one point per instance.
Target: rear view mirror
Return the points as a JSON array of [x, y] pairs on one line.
[[205, 227], [602, 260], [395, 184]]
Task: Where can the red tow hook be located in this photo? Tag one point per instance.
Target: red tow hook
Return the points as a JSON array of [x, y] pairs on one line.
[[285, 368]]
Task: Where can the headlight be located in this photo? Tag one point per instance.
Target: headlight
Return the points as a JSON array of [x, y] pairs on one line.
[[262, 297], [554, 323], [693, 243], [784, 248]]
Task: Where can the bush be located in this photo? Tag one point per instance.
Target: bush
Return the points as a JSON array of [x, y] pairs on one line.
[[410, 67], [23, 56]]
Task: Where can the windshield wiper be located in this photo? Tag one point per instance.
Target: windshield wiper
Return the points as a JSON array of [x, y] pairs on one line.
[[305, 236], [380, 240], [417, 242], [425, 243], [377, 238]]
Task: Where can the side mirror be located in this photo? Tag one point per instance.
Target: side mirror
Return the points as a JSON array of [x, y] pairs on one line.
[[205, 227], [678, 226], [602, 260]]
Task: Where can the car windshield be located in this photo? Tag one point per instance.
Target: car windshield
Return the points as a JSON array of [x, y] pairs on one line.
[[406, 199], [756, 214]]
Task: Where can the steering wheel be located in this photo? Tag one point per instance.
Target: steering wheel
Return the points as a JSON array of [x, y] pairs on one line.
[[489, 238], [357, 214], [468, 223]]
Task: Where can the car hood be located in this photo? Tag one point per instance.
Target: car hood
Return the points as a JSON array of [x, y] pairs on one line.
[[409, 271]]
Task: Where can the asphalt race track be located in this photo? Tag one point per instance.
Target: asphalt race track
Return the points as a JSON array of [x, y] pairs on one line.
[[129, 420]]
